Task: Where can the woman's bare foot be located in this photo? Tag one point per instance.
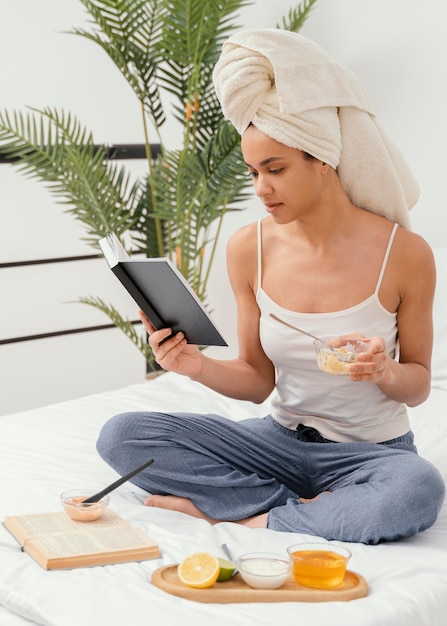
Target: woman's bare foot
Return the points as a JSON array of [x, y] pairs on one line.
[[184, 505], [177, 503]]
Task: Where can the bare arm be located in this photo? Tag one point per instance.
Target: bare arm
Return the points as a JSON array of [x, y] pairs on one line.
[[249, 377], [406, 380]]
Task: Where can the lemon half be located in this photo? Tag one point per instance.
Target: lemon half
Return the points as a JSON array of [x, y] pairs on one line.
[[200, 570]]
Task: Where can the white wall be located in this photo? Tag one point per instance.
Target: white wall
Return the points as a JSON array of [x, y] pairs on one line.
[[396, 47]]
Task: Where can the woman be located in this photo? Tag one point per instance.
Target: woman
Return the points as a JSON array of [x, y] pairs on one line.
[[336, 457]]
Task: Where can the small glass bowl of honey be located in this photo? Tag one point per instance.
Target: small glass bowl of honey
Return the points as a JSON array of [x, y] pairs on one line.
[[320, 565]]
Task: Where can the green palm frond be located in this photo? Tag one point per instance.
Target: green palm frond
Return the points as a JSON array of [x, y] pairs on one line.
[[53, 147], [195, 190], [297, 16], [226, 171], [193, 32], [129, 32], [209, 178], [125, 325], [145, 233], [166, 51]]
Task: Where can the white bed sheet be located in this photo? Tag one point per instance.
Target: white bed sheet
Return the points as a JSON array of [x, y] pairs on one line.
[[48, 450]]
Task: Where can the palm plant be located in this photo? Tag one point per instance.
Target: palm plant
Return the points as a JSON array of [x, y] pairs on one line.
[[163, 48]]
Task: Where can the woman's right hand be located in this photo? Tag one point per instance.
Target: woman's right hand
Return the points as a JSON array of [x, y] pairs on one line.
[[174, 354]]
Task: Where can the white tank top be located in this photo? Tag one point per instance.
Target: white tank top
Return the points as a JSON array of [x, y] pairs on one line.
[[341, 410]]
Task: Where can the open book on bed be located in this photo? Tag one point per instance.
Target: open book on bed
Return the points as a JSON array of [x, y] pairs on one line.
[[57, 542], [163, 293]]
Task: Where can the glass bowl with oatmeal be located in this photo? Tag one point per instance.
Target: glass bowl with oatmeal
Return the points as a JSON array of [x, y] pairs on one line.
[[337, 360]]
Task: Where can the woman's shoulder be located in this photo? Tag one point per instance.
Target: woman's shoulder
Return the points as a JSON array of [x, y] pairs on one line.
[[412, 248], [242, 256], [408, 247], [412, 266], [244, 239]]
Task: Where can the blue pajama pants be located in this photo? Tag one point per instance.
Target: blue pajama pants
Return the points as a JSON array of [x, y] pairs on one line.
[[232, 470]]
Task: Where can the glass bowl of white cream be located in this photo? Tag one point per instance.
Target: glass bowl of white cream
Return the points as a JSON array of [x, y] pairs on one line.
[[264, 570]]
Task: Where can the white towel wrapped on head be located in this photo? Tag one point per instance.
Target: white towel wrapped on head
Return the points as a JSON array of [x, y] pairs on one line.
[[291, 90]]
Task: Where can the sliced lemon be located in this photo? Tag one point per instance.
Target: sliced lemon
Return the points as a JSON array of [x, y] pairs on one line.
[[226, 569], [200, 570]]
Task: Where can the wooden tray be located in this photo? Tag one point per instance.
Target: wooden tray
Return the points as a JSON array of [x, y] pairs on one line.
[[235, 590]]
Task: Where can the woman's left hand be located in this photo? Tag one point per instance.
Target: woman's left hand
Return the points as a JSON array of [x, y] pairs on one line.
[[371, 364]]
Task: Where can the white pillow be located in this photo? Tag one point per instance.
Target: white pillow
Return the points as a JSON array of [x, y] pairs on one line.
[[439, 360]]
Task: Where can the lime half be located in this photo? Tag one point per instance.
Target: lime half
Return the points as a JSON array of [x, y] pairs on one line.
[[226, 569]]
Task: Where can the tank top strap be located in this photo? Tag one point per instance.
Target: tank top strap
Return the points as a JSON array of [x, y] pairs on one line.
[[385, 258], [259, 239]]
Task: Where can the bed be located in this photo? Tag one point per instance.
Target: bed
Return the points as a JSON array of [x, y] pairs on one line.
[[47, 450]]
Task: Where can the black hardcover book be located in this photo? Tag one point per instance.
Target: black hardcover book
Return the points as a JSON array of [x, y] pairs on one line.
[[162, 293]]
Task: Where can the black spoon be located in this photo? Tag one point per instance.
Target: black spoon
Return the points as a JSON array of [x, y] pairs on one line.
[[117, 483]]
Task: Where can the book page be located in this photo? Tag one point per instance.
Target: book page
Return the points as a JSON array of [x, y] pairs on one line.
[[83, 543], [56, 541], [113, 250], [25, 526]]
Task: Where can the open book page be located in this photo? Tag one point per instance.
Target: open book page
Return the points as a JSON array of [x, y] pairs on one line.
[[101, 541], [113, 250], [55, 541], [26, 526]]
